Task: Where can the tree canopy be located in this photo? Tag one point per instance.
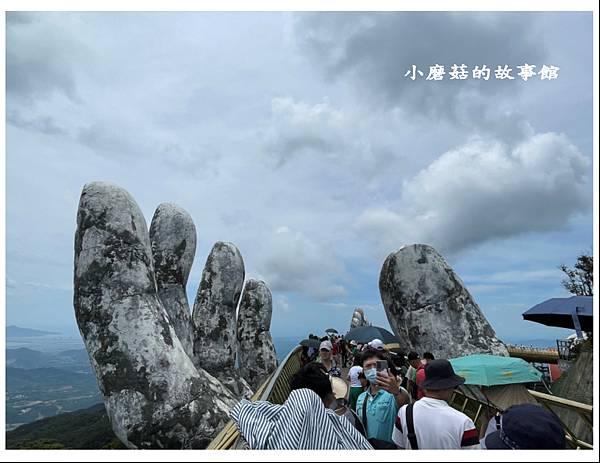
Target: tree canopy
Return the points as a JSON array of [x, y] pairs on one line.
[[580, 279]]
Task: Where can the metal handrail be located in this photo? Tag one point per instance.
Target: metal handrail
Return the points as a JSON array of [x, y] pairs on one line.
[[585, 411]]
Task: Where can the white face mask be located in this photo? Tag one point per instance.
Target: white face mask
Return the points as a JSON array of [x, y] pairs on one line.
[[371, 375]]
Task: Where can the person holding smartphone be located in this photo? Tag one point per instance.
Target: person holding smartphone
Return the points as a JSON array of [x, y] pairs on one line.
[[378, 405]]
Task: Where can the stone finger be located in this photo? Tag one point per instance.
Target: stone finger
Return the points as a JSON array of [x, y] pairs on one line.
[[173, 243]]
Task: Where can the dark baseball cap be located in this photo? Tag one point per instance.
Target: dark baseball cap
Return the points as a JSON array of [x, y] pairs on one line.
[[527, 426]]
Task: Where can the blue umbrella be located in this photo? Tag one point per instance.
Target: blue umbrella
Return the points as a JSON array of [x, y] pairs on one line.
[[564, 312]]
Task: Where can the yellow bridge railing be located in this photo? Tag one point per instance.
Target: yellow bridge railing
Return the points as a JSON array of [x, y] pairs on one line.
[[531, 354]]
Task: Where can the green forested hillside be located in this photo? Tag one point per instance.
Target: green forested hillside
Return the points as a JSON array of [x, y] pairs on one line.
[[83, 429]]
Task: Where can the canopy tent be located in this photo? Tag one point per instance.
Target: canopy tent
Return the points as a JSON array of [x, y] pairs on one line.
[[364, 334], [494, 370], [564, 312]]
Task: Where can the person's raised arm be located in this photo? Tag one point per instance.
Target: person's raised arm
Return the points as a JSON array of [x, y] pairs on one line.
[[389, 383]]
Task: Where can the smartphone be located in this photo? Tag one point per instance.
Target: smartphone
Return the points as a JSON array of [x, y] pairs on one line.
[[382, 365]]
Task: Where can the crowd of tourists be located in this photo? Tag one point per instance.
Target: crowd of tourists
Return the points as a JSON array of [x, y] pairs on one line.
[[341, 351], [386, 401]]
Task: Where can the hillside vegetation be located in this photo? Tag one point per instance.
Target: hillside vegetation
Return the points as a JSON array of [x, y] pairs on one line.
[[83, 429]]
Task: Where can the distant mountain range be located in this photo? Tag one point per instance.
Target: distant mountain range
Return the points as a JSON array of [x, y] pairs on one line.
[[42, 384], [13, 331], [25, 358], [36, 393]]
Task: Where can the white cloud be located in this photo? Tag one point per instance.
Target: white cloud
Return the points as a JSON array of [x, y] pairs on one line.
[[42, 59], [187, 107], [516, 276], [281, 303], [323, 134], [485, 190], [44, 124], [385, 228], [300, 129], [10, 283], [290, 261], [337, 305], [373, 51]]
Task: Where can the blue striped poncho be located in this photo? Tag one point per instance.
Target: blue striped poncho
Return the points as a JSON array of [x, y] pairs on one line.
[[301, 423]]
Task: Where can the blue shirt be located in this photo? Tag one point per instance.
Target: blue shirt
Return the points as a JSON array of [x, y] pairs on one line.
[[381, 413]]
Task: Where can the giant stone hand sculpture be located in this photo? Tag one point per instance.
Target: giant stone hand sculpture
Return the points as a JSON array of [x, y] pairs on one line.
[[430, 309], [132, 311], [359, 319]]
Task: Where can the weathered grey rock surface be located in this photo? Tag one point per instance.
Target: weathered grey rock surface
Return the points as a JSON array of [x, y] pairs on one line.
[[173, 243], [155, 397], [233, 380], [359, 319], [257, 357], [215, 308], [429, 307]]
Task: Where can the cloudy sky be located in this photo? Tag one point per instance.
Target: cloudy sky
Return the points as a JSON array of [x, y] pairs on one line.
[[299, 138]]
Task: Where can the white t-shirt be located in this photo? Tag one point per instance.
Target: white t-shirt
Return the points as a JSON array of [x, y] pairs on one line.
[[437, 426], [353, 376]]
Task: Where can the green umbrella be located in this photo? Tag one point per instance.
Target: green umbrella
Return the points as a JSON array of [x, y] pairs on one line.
[[493, 370], [331, 330]]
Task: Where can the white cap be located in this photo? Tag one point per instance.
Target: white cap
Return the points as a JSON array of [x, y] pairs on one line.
[[326, 345], [376, 344]]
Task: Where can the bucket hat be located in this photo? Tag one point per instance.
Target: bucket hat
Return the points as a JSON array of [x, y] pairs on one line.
[[439, 374]]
